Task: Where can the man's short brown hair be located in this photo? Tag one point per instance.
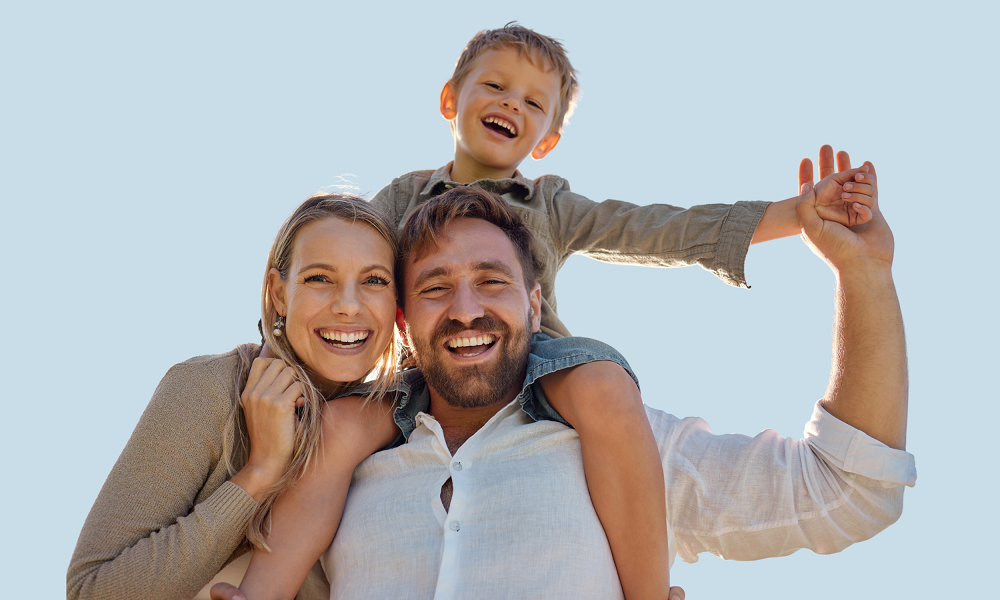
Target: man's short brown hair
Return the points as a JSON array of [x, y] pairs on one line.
[[432, 218], [534, 46]]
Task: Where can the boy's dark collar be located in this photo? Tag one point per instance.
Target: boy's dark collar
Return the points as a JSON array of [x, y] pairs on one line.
[[440, 182]]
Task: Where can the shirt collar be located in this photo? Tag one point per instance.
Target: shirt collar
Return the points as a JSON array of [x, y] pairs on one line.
[[517, 185]]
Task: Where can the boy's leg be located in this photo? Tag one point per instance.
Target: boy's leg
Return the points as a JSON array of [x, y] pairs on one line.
[[622, 464]]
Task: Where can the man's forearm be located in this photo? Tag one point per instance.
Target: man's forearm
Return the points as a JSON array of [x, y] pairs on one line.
[[868, 380]]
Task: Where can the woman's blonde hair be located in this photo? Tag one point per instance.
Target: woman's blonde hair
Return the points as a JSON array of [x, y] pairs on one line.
[[236, 442]]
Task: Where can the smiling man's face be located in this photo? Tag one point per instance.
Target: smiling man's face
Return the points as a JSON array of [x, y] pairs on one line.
[[469, 316]]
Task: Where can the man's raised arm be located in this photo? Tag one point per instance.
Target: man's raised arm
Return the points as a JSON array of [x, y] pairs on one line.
[[868, 378]]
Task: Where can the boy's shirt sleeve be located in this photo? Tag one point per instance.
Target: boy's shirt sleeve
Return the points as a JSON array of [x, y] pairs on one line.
[[714, 236]]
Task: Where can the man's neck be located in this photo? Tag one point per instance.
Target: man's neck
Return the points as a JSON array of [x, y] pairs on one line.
[[460, 424]]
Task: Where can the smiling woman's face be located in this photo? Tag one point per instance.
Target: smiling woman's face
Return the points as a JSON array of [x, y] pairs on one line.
[[339, 300]]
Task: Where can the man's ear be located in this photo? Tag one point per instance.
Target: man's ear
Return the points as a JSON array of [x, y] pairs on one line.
[[546, 145], [401, 325], [448, 100], [276, 289], [535, 298]]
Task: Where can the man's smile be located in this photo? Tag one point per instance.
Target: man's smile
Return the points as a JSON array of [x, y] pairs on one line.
[[469, 346]]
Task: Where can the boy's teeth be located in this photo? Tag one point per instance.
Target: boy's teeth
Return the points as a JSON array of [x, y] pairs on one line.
[[479, 340], [508, 126], [341, 336]]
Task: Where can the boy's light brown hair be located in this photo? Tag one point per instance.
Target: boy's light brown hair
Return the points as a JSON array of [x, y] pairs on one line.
[[432, 218], [534, 46]]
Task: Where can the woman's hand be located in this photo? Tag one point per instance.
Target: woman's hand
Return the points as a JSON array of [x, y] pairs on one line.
[[269, 401]]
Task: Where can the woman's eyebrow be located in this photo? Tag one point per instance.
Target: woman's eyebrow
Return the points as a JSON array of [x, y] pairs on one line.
[[327, 267]]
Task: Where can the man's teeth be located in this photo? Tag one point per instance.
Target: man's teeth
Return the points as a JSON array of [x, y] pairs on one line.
[[345, 337], [508, 126], [479, 340]]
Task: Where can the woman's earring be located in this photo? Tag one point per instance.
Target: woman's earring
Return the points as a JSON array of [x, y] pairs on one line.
[[278, 325]]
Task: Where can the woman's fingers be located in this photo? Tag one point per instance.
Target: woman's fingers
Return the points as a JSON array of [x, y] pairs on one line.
[[843, 161], [826, 165]]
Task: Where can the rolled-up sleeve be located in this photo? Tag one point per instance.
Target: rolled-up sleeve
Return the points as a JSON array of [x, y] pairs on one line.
[[747, 498]]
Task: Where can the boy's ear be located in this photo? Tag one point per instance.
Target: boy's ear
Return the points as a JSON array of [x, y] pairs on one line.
[[448, 97], [276, 287], [546, 145]]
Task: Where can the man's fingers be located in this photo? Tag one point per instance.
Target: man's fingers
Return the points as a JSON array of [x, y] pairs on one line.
[[805, 173], [826, 167], [843, 161], [228, 591]]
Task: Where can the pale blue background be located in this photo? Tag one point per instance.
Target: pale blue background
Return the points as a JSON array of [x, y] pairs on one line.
[[148, 154]]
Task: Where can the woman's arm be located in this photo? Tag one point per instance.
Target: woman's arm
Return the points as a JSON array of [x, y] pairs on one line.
[[166, 519], [304, 519]]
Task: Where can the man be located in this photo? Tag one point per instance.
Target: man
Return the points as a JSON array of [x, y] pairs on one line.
[[484, 502]]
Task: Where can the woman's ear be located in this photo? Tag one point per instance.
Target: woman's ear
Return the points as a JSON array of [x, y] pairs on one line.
[[276, 289], [401, 325]]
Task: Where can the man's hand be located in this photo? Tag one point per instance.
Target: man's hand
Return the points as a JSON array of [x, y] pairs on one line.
[[837, 244], [843, 196]]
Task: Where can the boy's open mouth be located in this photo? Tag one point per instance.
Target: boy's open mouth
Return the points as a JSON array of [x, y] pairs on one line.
[[345, 340], [471, 346], [501, 126]]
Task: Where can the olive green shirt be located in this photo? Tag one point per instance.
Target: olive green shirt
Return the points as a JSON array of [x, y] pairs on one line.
[[715, 236]]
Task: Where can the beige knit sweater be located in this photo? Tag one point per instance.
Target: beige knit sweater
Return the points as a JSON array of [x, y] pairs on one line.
[[167, 519]]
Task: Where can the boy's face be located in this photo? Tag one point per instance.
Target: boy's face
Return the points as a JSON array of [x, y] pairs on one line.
[[502, 112]]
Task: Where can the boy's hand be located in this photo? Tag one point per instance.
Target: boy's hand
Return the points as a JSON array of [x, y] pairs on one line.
[[843, 196]]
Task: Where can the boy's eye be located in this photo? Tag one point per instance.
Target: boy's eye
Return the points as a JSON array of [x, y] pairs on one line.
[[535, 104], [495, 86]]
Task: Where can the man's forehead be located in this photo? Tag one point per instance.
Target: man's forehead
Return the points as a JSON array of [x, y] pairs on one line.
[[466, 244]]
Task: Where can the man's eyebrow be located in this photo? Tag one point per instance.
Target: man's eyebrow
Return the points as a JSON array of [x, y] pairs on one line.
[[327, 267], [430, 274], [495, 265]]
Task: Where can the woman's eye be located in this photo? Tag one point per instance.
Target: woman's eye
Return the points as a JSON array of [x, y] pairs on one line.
[[316, 279], [377, 280]]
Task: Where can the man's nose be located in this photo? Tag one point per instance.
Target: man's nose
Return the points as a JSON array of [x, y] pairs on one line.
[[466, 305]]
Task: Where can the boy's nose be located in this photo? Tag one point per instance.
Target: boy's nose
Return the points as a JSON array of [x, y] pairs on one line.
[[511, 104]]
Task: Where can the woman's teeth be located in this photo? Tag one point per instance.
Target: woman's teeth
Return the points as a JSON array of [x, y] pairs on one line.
[[345, 339]]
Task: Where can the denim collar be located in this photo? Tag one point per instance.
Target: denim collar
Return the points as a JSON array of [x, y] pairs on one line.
[[517, 186]]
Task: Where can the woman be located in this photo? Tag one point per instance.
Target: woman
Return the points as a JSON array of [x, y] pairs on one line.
[[222, 435]]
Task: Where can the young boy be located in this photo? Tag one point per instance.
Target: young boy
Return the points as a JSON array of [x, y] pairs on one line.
[[510, 93]]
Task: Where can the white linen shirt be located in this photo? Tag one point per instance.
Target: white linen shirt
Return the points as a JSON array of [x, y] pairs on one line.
[[521, 523]]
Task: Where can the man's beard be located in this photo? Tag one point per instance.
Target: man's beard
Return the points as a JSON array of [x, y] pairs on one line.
[[476, 385]]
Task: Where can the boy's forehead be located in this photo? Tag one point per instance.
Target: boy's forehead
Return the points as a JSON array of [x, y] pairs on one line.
[[509, 56]]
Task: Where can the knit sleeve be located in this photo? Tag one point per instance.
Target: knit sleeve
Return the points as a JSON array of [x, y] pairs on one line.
[[158, 529]]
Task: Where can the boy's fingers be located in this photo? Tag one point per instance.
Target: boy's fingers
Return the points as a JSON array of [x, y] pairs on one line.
[[864, 213], [805, 173], [861, 189], [826, 161], [843, 161]]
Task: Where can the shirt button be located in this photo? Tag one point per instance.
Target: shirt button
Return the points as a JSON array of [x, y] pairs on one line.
[[455, 525], [456, 465]]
